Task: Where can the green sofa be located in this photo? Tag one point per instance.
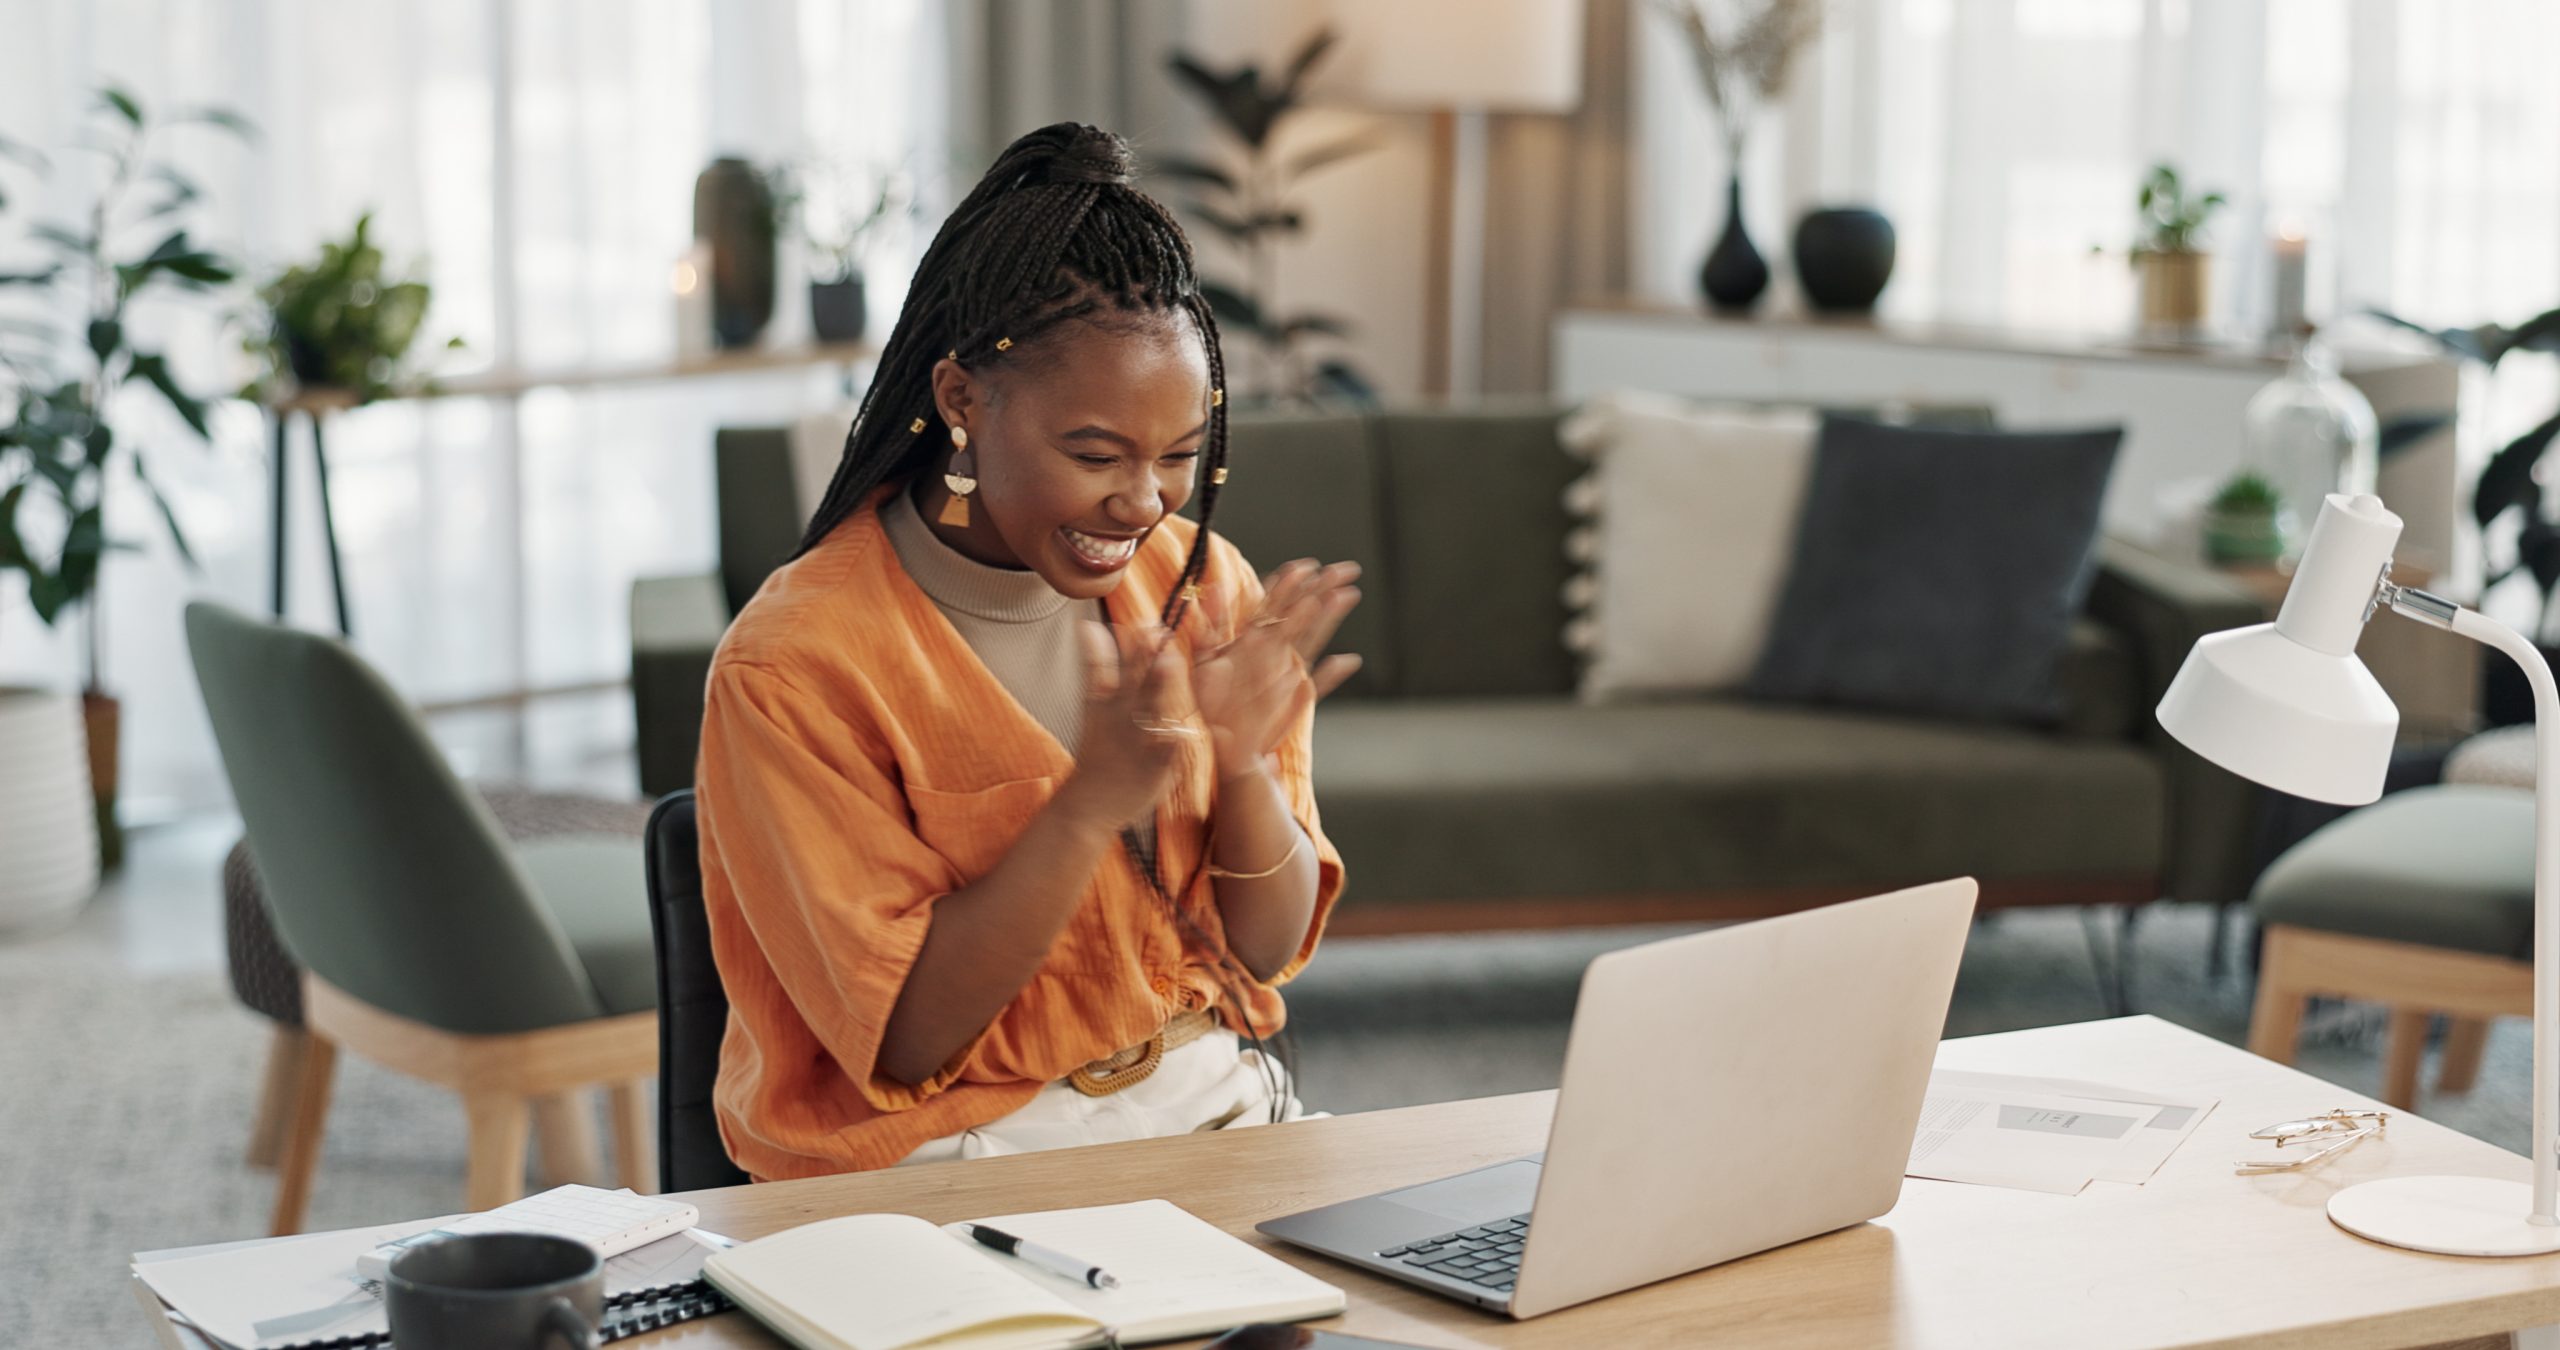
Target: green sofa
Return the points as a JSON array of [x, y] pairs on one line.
[[1466, 785]]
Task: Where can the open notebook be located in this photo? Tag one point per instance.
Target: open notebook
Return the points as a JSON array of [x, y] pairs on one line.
[[888, 1281]]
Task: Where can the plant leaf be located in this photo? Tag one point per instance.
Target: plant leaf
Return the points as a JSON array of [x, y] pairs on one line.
[[2507, 480], [24, 153], [177, 536], [1233, 309], [1341, 380], [224, 118], [1313, 325], [56, 234], [1233, 228], [2408, 429], [1308, 161], [122, 102], [152, 367], [1199, 171], [29, 278], [1286, 96], [13, 550]]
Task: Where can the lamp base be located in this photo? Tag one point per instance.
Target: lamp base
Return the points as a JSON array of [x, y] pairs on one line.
[[2452, 1216]]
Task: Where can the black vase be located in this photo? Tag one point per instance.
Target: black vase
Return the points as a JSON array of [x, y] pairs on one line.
[[1844, 256], [1735, 274], [838, 309], [733, 211]]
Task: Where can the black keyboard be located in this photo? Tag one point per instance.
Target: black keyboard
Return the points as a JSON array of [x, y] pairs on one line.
[[1487, 1255]]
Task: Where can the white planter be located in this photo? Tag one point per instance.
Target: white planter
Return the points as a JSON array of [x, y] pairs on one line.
[[48, 821]]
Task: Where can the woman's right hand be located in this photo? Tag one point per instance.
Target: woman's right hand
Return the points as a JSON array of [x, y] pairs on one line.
[[1137, 724]]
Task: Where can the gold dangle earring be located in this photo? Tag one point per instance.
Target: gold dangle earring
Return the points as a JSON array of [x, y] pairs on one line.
[[955, 512]]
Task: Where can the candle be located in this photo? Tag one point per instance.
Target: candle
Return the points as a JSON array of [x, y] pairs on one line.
[[2291, 253], [691, 281]]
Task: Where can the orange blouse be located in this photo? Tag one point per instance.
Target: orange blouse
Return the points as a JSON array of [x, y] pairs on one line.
[[859, 763]]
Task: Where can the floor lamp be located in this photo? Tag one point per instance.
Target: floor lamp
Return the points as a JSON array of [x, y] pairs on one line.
[[1458, 60], [2288, 705]]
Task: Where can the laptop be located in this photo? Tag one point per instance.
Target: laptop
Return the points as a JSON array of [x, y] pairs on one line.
[[1724, 1093]]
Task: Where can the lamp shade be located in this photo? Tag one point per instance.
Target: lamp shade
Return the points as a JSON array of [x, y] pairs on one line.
[[2276, 712], [1474, 55], [2287, 703]]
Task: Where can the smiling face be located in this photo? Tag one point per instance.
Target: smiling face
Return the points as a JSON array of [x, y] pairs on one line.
[[1078, 451]]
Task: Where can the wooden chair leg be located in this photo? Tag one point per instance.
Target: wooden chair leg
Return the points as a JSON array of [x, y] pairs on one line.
[[2275, 1023], [2403, 1046], [301, 1158], [635, 1141], [285, 1053], [565, 1126], [2464, 1040], [500, 1126]]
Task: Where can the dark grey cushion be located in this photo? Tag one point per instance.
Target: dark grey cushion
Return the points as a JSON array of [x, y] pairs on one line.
[[1938, 571]]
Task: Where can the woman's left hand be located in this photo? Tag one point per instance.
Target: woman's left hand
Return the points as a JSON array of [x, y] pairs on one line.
[[1251, 689]]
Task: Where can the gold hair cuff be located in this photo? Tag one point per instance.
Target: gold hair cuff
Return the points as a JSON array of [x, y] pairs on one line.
[[1004, 344], [1285, 859], [1217, 398], [1218, 475], [917, 425]]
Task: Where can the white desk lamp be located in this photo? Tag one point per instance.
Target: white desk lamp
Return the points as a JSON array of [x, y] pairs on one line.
[[2289, 705]]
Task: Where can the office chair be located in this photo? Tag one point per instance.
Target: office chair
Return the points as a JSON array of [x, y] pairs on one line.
[[515, 976], [693, 1008]]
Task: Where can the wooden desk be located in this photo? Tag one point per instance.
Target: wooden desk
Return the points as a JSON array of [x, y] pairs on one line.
[[2197, 1257]]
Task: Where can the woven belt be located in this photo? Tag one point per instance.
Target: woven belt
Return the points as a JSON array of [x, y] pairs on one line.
[[1136, 1064]]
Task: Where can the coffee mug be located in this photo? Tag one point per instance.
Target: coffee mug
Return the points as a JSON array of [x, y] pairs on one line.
[[496, 1291]]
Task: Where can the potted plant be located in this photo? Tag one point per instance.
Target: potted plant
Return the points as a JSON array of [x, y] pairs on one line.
[[838, 209], [2247, 523], [2170, 266], [339, 322], [58, 395], [1248, 206]]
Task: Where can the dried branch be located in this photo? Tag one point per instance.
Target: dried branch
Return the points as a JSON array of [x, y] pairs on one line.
[[1742, 66]]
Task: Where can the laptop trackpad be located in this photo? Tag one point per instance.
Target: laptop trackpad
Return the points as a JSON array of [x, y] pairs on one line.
[[1488, 1193]]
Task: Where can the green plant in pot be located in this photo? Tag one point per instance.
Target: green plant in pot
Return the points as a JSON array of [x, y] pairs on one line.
[[1246, 202], [340, 322], [839, 209], [2247, 522], [64, 425], [2169, 260]]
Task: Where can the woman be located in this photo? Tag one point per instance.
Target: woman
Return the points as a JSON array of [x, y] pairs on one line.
[[1007, 834]]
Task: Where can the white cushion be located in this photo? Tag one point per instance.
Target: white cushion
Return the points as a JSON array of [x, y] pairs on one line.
[[1692, 517]]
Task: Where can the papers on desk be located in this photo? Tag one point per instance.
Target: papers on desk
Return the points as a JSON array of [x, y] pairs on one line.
[[2046, 1134], [270, 1294]]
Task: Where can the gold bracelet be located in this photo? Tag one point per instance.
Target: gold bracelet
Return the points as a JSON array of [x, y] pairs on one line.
[[1285, 860]]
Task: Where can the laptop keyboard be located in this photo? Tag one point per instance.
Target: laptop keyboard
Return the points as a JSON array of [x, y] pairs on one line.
[[1487, 1256]]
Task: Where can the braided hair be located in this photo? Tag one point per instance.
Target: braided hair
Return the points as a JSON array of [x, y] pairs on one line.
[[1054, 234]]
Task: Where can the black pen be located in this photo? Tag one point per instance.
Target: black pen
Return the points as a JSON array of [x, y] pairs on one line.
[[1049, 1258]]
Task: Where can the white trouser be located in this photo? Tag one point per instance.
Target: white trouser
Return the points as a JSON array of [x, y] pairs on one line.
[[1213, 1083]]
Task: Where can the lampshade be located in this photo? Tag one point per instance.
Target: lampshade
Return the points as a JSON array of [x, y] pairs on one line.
[[1477, 55], [2287, 703]]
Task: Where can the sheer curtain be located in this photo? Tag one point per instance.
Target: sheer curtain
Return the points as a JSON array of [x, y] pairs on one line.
[[2416, 141], [539, 160]]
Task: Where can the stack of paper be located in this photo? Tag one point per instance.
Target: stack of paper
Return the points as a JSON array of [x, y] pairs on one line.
[[281, 1292], [2046, 1134]]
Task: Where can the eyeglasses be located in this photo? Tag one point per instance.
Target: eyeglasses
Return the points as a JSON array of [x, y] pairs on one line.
[[2333, 1132]]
